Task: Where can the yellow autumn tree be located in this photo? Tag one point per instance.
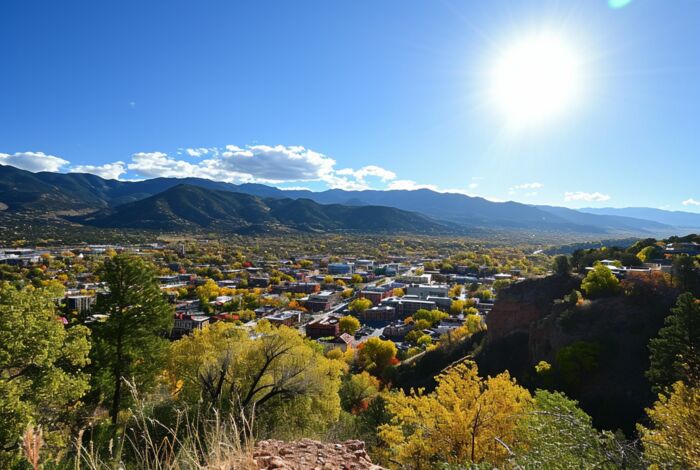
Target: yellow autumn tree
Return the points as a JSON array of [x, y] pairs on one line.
[[674, 437], [466, 419], [277, 373]]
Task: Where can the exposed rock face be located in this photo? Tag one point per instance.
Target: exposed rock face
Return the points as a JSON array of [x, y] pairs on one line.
[[530, 323], [526, 302], [307, 454]]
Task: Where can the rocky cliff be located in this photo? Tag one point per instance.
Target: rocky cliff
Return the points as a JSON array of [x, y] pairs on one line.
[[530, 323]]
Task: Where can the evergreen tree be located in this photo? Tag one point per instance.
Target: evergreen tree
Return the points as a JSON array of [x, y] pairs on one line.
[[561, 266], [130, 344], [675, 353]]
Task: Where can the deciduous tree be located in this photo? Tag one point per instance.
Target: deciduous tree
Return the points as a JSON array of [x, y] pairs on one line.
[[359, 305], [600, 281], [673, 440], [466, 419], [349, 324], [278, 373], [41, 368], [375, 355]]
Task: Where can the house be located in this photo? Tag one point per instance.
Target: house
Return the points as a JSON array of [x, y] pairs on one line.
[[264, 311], [342, 342], [187, 323], [328, 326], [80, 303], [288, 318], [683, 248], [258, 281]]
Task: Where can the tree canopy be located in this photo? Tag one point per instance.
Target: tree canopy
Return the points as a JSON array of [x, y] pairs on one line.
[[278, 374], [675, 353], [462, 421], [41, 368], [130, 343], [349, 324], [600, 281]]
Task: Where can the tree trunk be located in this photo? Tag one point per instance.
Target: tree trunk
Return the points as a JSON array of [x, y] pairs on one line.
[[117, 398]]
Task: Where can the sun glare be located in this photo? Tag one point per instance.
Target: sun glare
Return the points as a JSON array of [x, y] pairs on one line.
[[534, 80]]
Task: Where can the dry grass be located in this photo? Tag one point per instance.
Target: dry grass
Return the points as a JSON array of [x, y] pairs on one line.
[[204, 442]]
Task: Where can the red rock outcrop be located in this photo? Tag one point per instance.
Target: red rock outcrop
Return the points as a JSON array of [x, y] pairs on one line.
[[307, 454]]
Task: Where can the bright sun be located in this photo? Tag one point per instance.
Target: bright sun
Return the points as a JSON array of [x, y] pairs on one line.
[[534, 80]]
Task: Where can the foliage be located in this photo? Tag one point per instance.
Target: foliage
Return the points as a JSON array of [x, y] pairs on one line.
[[41, 376], [554, 433], [543, 367], [207, 291], [561, 265], [475, 323], [457, 307], [649, 253], [359, 305], [375, 355], [357, 390], [599, 282], [130, 343], [686, 274], [675, 353], [433, 317], [673, 440], [349, 324], [577, 361], [280, 374], [464, 420]]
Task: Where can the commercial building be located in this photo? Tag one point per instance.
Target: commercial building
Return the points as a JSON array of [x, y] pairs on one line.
[[341, 268], [325, 327], [423, 291], [324, 300]]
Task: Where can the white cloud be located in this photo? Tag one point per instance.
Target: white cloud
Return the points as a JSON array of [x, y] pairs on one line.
[[33, 161], [528, 186], [587, 197], [159, 164], [295, 188], [258, 163], [200, 151], [410, 185], [691, 202], [473, 185], [275, 163], [531, 194], [155, 164], [371, 170], [111, 171]]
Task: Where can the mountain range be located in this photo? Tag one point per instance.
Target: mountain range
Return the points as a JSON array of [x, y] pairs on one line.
[[188, 207], [188, 203]]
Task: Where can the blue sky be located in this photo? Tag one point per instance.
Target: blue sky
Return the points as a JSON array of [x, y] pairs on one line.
[[354, 94]]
